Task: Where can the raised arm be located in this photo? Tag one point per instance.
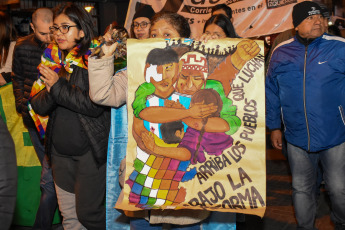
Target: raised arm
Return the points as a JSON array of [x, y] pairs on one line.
[[105, 87], [158, 114]]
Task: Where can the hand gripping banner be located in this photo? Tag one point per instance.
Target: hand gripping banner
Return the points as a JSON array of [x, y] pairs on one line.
[[196, 121]]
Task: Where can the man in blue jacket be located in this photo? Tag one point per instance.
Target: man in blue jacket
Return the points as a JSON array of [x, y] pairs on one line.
[[305, 89]]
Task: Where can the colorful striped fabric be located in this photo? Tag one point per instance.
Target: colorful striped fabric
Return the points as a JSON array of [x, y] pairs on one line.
[[40, 121], [52, 58], [155, 181]]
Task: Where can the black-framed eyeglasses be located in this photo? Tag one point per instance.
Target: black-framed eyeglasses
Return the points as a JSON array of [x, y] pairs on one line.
[[142, 25], [63, 29]]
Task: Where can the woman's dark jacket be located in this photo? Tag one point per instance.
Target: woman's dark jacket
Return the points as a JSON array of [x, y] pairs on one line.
[[74, 95]]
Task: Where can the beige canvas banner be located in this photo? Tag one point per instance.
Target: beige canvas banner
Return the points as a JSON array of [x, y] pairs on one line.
[[196, 115], [252, 18]]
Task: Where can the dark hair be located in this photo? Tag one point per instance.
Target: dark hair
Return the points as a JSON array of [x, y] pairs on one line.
[[83, 21], [7, 34], [159, 56], [334, 30], [177, 21], [207, 96], [168, 131], [224, 7], [223, 22]]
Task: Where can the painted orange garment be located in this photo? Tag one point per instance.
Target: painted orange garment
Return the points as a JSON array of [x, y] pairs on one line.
[[225, 73]]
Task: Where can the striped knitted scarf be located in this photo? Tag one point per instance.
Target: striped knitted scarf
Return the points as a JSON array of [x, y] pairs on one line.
[[52, 58]]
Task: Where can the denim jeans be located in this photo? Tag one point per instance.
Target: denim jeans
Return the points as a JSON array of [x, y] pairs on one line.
[[319, 169], [303, 167], [142, 224], [48, 201]]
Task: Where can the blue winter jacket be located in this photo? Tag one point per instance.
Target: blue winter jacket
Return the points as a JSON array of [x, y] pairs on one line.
[[305, 88]]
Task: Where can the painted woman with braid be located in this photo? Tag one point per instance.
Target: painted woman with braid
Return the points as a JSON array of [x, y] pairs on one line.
[[189, 145], [192, 77], [161, 73], [195, 142]]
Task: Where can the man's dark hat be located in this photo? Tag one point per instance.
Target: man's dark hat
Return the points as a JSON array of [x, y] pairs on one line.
[[145, 11], [303, 10], [324, 10]]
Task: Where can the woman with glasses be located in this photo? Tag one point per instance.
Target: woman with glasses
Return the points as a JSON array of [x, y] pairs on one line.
[[140, 27], [77, 130]]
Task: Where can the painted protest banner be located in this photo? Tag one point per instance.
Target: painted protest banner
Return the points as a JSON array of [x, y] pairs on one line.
[[196, 126], [252, 18]]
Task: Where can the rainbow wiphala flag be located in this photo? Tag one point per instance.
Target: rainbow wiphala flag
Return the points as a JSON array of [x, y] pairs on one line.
[[155, 181]]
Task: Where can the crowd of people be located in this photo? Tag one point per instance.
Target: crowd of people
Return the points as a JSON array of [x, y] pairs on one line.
[[305, 81]]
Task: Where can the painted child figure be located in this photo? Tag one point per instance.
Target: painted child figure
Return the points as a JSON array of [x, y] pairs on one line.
[[155, 179], [193, 143]]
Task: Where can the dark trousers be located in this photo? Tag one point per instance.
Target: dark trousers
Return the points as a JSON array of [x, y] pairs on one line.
[[81, 176]]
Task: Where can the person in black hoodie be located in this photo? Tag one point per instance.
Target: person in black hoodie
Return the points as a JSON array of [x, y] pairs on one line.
[[77, 130], [26, 57]]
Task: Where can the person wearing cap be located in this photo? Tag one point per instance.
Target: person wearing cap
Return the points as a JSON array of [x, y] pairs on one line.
[[141, 22], [290, 33], [305, 90]]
